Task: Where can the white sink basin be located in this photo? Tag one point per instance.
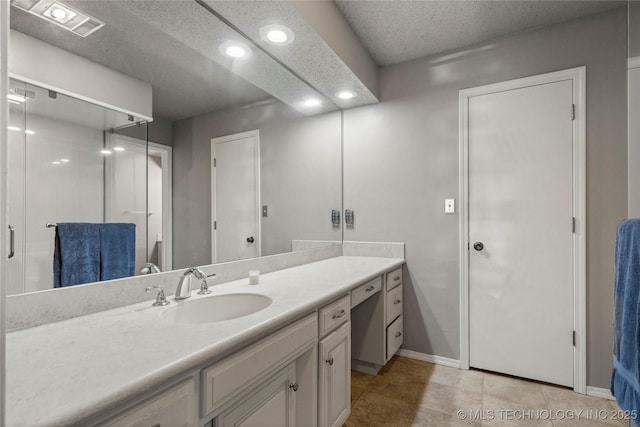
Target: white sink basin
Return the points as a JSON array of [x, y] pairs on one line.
[[216, 308]]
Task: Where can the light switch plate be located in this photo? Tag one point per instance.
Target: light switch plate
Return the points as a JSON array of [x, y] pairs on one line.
[[450, 206]]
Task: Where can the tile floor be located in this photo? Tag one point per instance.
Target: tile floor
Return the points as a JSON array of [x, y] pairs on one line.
[[408, 392]]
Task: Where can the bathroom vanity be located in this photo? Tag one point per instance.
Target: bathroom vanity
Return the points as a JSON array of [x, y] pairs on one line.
[[288, 363]]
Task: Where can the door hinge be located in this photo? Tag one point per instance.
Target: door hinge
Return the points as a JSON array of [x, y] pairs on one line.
[[214, 163], [573, 337], [573, 111], [573, 224], [215, 225]]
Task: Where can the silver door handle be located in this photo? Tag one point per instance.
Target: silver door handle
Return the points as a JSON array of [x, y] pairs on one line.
[[12, 241], [250, 239], [478, 246]]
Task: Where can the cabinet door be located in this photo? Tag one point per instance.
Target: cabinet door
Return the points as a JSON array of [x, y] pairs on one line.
[[172, 408], [334, 405], [272, 404]]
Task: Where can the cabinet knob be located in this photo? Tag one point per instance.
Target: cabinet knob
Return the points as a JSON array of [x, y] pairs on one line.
[[397, 301], [398, 334], [370, 288], [294, 386], [330, 361], [395, 279], [340, 314]]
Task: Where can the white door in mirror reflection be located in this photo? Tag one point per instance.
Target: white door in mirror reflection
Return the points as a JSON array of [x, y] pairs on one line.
[[235, 198]]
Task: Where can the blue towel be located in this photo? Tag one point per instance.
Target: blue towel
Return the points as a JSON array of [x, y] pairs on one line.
[[76, 256], [117, 250], [625, 385]]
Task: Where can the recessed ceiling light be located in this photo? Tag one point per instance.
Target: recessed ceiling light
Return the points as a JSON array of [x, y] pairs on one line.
[[235, 49], [105, 152], [59, 13], [346, 94], [13, 128], [118, 148], [312, 102], [64, 160], [29, 132], [277, 34], [55, 163]]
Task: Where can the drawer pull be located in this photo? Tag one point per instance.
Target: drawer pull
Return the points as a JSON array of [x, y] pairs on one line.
[[339, 315], [395, 279], [397, 301], [294, 386], [370, 288], [398, 334], [330, 361]]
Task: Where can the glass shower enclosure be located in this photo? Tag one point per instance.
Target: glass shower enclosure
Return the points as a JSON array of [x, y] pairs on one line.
[[68, 161]]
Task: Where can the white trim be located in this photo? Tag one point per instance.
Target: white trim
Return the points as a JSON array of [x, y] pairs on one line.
[[166, 153], [633, 62], [90, 100], [4, 121], [226, 138], [578, 77], [600, 392], [438, 360]]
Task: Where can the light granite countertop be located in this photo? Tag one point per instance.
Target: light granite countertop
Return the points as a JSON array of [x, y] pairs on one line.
[[65, 373]]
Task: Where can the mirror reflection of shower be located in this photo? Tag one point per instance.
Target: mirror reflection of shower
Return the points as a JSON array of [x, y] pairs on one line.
[[71, 161]]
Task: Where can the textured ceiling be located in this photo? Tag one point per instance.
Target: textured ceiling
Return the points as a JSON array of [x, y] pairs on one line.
[[173, 45], [185, 83], [397, 31]]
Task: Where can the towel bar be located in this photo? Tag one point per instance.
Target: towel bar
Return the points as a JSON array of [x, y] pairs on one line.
[[50, 225]]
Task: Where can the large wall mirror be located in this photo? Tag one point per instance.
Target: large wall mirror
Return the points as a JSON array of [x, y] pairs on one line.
[[225, 171]]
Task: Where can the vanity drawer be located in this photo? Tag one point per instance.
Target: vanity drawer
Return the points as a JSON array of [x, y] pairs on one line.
[[233, 375], [394, 278], [333, 315], [394, 303], [394, 337], [363, 292]]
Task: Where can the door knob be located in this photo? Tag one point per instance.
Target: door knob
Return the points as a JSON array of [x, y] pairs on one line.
[[250, 239], [478, 246]]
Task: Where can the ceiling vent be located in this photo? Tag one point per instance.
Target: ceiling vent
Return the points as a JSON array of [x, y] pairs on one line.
[[60, 14]]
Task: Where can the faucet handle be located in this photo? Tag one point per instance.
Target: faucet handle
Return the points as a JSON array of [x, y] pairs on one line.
[[161, 298], [204, 286]]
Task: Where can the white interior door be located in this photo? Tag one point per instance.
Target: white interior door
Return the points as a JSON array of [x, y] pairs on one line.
[[236, 197], [520, 156]]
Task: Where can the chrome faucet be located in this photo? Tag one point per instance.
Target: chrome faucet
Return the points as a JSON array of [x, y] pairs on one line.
[[149, 268], [183, 291]]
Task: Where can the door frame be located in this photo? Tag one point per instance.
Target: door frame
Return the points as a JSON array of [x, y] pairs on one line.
[[166, 154], [578, 77], [227, 138]]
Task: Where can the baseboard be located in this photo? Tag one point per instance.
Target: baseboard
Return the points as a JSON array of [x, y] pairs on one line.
[[438, 360], [600, 392]]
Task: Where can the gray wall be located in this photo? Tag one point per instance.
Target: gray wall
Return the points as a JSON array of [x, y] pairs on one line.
[[300, 177], [401, 162], [161, 131]]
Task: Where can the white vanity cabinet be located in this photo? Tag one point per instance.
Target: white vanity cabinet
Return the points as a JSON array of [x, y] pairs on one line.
[[174, 407], [273, 403], [334, 365], [393, 312], [272, 382], [377, 323]]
